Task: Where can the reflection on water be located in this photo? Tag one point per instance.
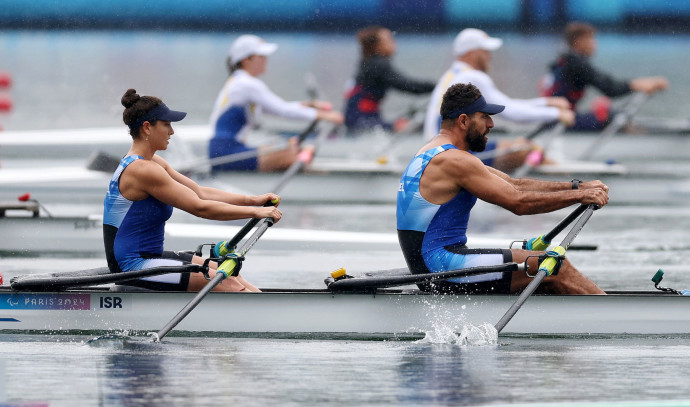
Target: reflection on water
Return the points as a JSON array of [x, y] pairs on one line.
[[215, 371]]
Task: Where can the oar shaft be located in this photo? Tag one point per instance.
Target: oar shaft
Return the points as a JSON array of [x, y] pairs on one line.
[[220, 276], [619, 120], [190, 306], [306, 132], [231, 158], [287, 175], [531, 287], [564, 223], [540, 129], [525, 168], [587, 213], [534, 284]]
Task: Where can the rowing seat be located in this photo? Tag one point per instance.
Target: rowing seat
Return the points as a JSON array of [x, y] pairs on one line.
[[60, 281]]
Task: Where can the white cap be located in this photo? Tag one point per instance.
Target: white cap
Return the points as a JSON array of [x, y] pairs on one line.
[[471, 38], [248, 45]]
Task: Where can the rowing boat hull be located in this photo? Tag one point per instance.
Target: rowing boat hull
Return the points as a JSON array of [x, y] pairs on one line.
[[319, 312]]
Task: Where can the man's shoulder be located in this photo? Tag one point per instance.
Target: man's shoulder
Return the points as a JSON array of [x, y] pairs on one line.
[[454, 157]]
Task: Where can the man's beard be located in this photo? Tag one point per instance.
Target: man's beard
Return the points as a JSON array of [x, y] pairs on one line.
[[475, 140]]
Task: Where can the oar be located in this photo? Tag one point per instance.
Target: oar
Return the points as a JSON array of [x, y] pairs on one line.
[[225, 270], [303, 159], [231, 158], [619, 120], [531, 161], [542, 242], [224, 247], [547, 267], [339, 281], [382, 152]]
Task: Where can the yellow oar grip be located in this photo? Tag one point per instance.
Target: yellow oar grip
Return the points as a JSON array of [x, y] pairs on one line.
[[227, 267], [549, 264]]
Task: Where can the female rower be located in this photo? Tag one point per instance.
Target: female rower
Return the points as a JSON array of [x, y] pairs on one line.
[[242, 100], [374, 77], [141, 196]]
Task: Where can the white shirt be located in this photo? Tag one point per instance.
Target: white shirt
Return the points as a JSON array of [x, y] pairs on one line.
[[243, 91], [517, 110]]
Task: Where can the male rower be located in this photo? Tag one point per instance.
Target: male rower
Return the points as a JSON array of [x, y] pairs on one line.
[[441, 185], [472, 50], [572, 73]]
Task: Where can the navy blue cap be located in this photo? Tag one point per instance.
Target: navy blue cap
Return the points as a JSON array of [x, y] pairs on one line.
[[478, 105], [160, 112]]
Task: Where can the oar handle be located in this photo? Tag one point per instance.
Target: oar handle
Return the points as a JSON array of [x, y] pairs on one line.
[[227, 246]]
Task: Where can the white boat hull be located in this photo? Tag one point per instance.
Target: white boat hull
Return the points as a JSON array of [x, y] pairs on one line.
[[317, 312]]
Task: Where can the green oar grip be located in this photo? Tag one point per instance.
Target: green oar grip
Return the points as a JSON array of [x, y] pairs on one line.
[[537, 243], [550, 263]]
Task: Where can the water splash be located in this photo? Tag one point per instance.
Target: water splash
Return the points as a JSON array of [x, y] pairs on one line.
[[449, 325], [464, 334]]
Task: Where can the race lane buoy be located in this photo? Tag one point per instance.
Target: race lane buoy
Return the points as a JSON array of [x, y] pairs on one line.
[[5, 80], [5, 103]]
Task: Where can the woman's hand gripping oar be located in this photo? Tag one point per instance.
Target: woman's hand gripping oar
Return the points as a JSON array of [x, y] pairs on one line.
[[550, 264], [229, 267]]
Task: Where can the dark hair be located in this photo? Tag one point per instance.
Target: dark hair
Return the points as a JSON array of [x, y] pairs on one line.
[[232, 67], [136, 107], [368, 38], [576, 30], [457, 97]]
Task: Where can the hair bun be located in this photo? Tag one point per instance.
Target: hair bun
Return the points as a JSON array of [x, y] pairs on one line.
[[130, 98]]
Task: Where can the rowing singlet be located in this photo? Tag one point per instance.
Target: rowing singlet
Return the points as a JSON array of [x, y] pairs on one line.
[[132, 230], [426, 231]]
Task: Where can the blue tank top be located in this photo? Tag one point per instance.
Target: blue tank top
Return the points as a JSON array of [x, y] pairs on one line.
[[132, 229], [442, 225]]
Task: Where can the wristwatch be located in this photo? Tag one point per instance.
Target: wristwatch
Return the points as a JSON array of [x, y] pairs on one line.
[[576, 183]]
